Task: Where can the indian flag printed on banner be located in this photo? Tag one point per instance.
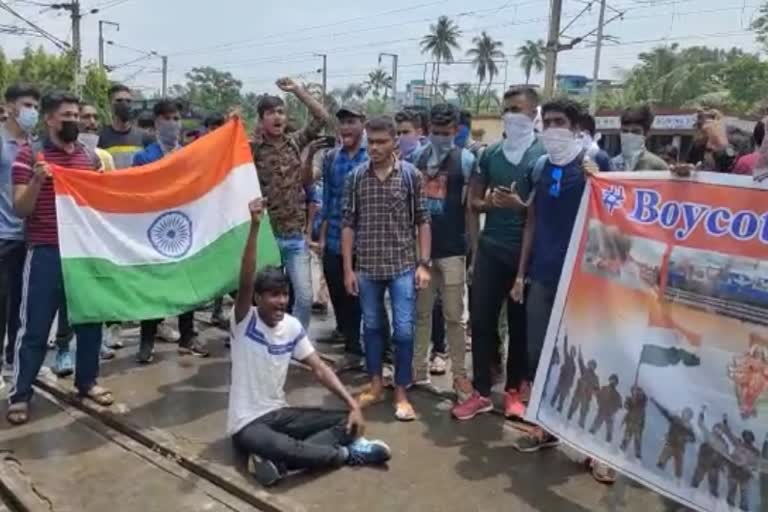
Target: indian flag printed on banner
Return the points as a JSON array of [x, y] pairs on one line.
[[161, 239]]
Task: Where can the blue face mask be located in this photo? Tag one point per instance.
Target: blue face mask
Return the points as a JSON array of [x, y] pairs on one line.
[[462, 137], [27, 119], [407, 144]]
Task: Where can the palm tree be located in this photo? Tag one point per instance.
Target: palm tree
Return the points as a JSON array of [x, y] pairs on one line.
[[440, 43], [378, 80], [484, 56], [354, 91], [444, 88], [531, 56], [464, 93]]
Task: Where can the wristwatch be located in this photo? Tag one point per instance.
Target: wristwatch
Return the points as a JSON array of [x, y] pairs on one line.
[[426, 264]]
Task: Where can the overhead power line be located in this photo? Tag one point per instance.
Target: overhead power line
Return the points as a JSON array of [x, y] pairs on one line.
[[62, 45]]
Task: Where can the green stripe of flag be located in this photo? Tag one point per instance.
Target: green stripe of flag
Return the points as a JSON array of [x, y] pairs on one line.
[[99, 291]]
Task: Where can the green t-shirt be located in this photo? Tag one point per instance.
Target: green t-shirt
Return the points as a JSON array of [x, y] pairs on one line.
[[504, 227]]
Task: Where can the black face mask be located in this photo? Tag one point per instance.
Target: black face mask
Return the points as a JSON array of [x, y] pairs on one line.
[[69, 131], [123, 111]]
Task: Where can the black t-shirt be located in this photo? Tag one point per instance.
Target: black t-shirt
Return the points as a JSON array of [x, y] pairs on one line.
[[444, 196], [121, 145]]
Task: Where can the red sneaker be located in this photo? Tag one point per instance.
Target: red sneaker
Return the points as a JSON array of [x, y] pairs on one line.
[[513, 404], [471, 407]]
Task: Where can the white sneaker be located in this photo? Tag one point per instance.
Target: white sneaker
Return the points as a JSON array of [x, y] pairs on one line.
[[167, 333], [112, 335], [7, 372]]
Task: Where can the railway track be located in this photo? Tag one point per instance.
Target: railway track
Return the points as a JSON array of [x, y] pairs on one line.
[[91, 462]]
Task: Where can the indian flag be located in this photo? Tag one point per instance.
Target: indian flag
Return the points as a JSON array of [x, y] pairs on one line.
[[161, 239]]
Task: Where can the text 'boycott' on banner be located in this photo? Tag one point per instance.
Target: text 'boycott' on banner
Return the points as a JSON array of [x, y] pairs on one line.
[[656, 356]]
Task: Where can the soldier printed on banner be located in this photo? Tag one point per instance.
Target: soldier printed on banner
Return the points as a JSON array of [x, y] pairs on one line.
[[712, 457], [634, 420], [608, 404], [586, 388], [744, 460], [567, 376], [679, 435]]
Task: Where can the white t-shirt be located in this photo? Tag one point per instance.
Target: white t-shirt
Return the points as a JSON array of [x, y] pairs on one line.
[[260, 359]]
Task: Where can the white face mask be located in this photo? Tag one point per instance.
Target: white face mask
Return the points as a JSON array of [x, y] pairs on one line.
[[89, 140], [561, 144], [518, 132], [631, 147]]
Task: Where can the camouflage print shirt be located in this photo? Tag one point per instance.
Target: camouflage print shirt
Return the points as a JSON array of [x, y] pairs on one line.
[[279, 167]]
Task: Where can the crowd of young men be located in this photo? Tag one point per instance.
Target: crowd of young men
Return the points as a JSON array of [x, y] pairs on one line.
[[401, 205]]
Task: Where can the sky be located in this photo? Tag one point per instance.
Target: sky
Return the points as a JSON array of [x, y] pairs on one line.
[[259, 41]]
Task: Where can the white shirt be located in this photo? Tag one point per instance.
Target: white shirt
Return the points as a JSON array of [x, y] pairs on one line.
[[260, 359]]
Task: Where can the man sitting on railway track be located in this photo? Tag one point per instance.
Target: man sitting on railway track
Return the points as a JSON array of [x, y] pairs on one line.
[[275, 437]]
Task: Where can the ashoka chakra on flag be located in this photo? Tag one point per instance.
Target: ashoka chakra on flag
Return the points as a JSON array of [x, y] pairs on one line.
[[171, 234]]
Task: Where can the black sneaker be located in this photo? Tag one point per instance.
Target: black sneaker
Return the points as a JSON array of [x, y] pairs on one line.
[[193, 347], [319, 309], [537, 440], [146, 353], [368, 452], [264, 470]]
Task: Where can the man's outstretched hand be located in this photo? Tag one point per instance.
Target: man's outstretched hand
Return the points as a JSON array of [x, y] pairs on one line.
[[355, 423], [287, 85], [256, 207]]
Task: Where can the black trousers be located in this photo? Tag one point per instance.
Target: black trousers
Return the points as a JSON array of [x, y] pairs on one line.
[[494, 275], [12, 254], [297, 438], [346, 307], [186, 328]]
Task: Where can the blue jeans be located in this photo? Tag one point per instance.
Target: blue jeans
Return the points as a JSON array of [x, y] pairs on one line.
[[42, 296], [402, 293], [295, 256]]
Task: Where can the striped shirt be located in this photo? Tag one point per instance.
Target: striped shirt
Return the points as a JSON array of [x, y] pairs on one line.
[[41, 225]]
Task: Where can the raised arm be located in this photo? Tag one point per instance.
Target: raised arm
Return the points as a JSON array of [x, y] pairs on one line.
[[320, 116], [663, 410], [248, 264]]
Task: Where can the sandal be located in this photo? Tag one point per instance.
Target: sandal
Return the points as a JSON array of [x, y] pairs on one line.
[[602, 473], [368, 398], [404, 411], [99, 395], [18, 413], [438, 365]]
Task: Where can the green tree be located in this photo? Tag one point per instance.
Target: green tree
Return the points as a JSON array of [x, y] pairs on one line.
[[669, 75], [745, 78], [96, 89], [378, 80], [442, 39], [444, 88], [760, 26], [484, 56], [213, 90], [464, 93], [531, 56]]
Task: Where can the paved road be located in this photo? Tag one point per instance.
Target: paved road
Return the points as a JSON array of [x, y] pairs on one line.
[[180, 403]]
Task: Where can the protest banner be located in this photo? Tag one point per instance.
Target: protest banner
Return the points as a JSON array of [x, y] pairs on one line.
[[161, 239], [656, 355]]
